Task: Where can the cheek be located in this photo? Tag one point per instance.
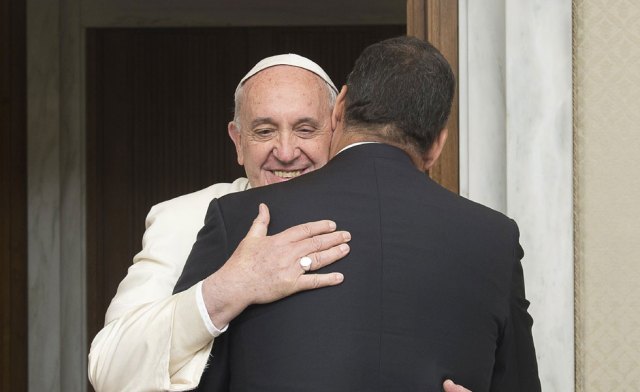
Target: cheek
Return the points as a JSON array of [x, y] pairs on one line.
[[317, 152], [258, 153]]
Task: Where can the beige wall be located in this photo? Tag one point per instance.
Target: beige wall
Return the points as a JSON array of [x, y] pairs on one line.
[[607, 194]]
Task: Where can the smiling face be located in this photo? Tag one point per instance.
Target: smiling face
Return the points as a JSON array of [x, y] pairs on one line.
[[283, 127]]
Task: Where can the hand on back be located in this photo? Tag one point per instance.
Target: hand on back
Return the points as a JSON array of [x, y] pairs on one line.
[[264, 268]]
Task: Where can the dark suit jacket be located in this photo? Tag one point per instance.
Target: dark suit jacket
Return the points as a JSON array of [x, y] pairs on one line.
[[433, 288]]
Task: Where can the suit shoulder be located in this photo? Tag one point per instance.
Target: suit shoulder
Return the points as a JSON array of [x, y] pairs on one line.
[[240, 203], [260, 194], [484, 210], [475, 213], [239, 209]]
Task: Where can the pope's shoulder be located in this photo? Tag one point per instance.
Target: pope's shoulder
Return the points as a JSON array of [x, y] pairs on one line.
[[200, 199]]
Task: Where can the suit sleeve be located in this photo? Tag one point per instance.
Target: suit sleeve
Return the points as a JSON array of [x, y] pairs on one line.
[[209, 252], [142, 345], [516, 367]]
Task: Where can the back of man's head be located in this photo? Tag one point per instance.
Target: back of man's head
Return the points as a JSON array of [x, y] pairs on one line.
[[400, 90]]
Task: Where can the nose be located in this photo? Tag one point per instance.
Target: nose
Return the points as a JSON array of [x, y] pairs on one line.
[[287, 149]]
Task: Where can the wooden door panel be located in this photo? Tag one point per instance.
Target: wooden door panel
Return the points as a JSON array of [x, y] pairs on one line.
[[436, 21]]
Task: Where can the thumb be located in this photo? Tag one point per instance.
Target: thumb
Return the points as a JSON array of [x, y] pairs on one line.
[[261, 223], [450, 386]]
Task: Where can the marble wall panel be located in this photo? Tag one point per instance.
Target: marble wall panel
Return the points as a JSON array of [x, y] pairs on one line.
[[43, 194], [517, 89], [540, 173], [72, 201], [482, 103]]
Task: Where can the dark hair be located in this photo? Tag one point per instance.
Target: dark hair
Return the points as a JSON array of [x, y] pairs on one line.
[[401, 90]]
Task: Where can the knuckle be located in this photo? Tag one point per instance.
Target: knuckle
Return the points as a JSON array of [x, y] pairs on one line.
[[307, 229], [316, 282], [276, 244], [316, 260], [316, 243]]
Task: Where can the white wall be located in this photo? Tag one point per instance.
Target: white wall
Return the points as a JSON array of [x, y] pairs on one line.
[[516, 152]]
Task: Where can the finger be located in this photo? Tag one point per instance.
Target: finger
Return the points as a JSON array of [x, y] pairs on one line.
[[329, 256], [260, 225], [320, 242], [307, 230], [450, 386], [316, 281]]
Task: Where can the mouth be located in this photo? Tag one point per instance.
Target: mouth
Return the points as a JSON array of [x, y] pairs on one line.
[[286, 174]]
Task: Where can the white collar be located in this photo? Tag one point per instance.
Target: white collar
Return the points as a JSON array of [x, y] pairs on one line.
[[355, 144]]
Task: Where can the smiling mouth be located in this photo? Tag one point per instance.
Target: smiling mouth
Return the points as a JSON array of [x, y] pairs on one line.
[[286, 174]]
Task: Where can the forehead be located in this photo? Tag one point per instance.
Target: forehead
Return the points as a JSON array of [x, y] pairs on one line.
[[284, 75], [282, 89]]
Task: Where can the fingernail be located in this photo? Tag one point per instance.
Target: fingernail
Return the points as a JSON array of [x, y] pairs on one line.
[[344, 248], [332, 225], [346, 235], [339, 278]]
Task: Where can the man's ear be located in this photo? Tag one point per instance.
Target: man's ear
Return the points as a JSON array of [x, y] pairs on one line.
[[337, 114], [433, 153], [236, 136]]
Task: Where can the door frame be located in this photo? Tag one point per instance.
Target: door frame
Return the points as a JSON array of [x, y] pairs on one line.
[[436, 21]]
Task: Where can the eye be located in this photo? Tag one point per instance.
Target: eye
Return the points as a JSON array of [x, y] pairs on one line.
[[263, 133], [306, 132]]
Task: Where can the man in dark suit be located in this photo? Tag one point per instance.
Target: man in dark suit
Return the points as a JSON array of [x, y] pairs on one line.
[[433, 285]]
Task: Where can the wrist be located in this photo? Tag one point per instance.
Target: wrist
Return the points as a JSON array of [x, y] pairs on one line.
[[223, 298], [213, 329]]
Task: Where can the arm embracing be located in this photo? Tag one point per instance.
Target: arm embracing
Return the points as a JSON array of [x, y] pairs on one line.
[[154, 340], [133, 350]]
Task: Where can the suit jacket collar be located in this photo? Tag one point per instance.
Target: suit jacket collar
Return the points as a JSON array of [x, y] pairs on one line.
[[371, 150]]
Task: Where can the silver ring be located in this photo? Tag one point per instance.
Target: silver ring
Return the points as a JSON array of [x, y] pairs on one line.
[[305, 263]]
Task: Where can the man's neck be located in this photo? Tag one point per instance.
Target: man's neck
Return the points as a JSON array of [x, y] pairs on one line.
[[346, 139], [356, 144]]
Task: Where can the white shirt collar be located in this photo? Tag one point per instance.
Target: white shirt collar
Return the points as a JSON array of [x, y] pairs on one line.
[[356, 144]]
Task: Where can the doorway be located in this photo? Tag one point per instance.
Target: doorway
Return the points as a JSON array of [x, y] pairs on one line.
[[158, 103]]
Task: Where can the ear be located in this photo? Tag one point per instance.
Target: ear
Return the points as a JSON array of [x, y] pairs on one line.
[[433, 153], [338, 109], [236, 137]]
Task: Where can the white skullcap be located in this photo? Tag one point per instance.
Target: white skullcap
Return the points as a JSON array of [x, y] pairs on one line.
[[293, 60]]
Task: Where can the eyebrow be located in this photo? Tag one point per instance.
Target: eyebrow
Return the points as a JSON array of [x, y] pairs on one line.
[[309, 120], [269, 120], [262, 120]]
